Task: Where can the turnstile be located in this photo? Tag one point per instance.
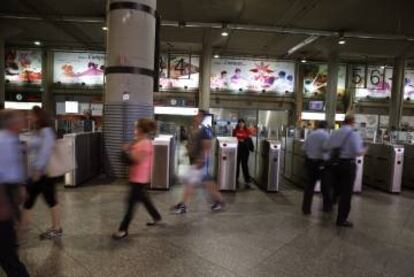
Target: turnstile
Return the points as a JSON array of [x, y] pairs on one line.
[[163, 162], [383, 167], [268, 165], [408, 172], [226, 164], [86, 157]]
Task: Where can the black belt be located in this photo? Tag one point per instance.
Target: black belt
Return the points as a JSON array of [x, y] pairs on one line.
[[347, 160]]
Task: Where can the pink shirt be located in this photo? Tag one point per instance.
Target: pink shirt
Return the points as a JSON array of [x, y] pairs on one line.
[[141, 172]]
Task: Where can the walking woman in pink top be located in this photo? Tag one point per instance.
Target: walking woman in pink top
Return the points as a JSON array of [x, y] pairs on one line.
[[140, 155]]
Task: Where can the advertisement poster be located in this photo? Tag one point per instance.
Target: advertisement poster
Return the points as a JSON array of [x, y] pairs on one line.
[[23, 67], [409, 84], [78, 68], [179, 72], [316, 80], [371, 82], [258, 76]]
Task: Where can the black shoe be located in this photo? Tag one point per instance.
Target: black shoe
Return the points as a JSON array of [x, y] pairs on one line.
[[306, 212], [217, 206], [346, 223], [154, 223]]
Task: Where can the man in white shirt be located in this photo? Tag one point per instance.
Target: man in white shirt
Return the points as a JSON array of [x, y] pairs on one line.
[[315, 165], [347, 146]]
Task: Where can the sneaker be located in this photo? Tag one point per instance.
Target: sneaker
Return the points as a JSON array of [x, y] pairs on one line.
[[217, 207], [51, 234], [154, 222], [179, 209], [119, 235], [346, 224]]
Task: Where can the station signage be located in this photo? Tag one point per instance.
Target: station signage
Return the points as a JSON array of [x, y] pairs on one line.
[[179, 72], [85, 68], [371, 81], [259, 76], [23, 67], [315, 80]]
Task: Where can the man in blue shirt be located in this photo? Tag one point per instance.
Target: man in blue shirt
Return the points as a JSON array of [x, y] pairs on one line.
[[345, 146], [11, 178], [315, 163]]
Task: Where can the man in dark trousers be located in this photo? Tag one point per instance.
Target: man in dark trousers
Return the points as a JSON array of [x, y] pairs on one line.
[[11, 192], [345, 145], [315, 168]]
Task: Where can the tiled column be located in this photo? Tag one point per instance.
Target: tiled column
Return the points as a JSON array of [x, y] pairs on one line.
[[331, 95], [205, 70], [397, 93], [129, 74], [2, 83]]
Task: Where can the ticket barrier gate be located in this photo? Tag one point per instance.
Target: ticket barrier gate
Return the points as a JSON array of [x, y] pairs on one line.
[[163, 170], [85, 156], [268, 165], [295, 167], [358, 178], [226, 163], [408, 172], [383, 167]]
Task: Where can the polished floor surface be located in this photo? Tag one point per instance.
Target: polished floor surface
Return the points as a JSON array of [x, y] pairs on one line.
[[258, 234]]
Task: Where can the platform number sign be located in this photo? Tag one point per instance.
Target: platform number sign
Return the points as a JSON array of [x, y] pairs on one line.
[[368, 77]]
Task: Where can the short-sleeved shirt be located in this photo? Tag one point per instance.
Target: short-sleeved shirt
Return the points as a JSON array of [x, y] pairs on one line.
[[195, 141], [351, 142], [141, 172], [315, 143], [11, 159]]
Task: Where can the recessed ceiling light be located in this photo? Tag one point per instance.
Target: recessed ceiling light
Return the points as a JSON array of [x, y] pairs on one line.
[[37, 43], [341, 41], [224, 34], [303, 61], [382, 66], [216, 56], [105, 28]]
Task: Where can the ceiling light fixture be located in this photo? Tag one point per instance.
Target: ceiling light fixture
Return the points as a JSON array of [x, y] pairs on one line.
[[216, 56], [341, 41], [224, 34], [37, 43], [303, 61], [382, 66], [105, 28]]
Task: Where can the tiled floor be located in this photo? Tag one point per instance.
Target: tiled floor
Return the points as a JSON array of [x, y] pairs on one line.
[[259, 234]]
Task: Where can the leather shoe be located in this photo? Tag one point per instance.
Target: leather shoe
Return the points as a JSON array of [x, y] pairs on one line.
[[346, 223]]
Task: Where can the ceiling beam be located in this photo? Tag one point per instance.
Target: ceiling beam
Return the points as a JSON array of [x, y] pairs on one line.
[[219, 25]]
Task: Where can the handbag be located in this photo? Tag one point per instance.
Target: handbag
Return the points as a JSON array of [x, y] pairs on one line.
[[249, 144], [60, 162]]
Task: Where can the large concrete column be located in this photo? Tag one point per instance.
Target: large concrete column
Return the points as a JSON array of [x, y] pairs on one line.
[[129, 74], [331, 92], [205, 73], [2, 77], [397, 93], [47, 80], [298, 96]]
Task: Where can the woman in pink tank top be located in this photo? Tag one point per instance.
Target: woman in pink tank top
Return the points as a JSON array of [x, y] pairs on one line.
[[140, 156]]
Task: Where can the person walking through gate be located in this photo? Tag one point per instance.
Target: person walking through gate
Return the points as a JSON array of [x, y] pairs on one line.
[[140, 155], [345, 145], [244, 146], [315, 168]]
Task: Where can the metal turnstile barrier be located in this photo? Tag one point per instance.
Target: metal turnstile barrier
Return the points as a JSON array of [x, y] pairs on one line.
[[86, 156], [408, 169], [226, 164], [163, 169], [268, 165], [383, 167]]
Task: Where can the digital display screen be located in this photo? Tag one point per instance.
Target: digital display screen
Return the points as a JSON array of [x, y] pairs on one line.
[[316, 105], [72, 107]]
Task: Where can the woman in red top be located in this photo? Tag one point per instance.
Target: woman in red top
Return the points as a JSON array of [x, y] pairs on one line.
[[242, 133], [140, 155]]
